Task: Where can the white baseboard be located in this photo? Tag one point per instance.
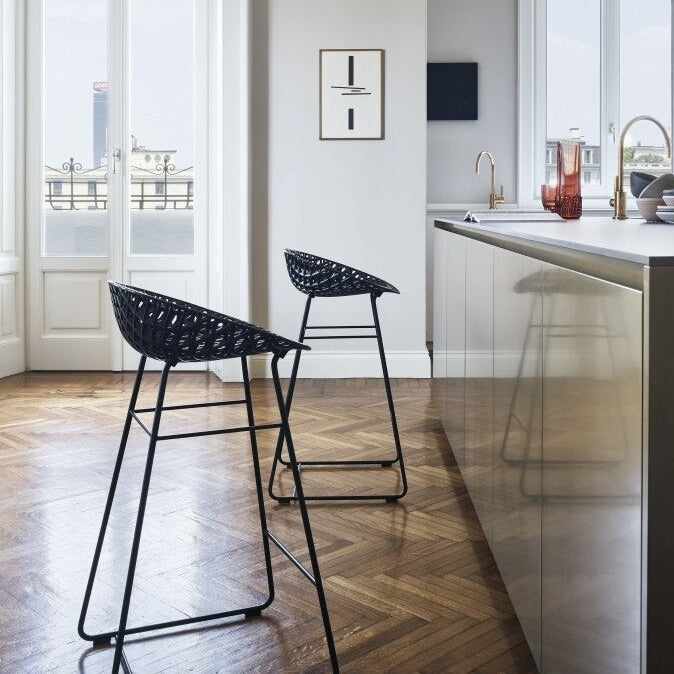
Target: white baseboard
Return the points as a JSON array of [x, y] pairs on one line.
[[343, 364]]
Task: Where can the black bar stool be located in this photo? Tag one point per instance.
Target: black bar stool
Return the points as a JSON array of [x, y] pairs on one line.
[[177, 332], [319, 277]]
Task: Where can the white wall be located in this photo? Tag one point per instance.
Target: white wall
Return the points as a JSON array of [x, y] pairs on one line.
[[360, 202], [484, 31]]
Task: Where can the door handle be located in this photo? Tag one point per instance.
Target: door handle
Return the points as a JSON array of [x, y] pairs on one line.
[[116, 156]]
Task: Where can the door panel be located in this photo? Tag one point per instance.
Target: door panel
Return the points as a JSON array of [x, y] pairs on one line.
[[455, 291], [165, 247], [440, 325], [592, 474], [114, 159], [68, 224], [518, 410], [12, 342], [479, 379]]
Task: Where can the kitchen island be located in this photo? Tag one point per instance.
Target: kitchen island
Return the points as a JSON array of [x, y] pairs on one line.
[[553, 368]]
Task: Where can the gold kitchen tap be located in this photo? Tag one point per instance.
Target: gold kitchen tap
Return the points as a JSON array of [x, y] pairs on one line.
[[618, 201], [493, 197]]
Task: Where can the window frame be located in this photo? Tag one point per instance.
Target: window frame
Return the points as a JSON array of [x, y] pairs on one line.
[[532, 95]]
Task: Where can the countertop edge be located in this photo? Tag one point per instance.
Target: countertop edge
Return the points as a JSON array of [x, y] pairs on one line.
[[589, 260]]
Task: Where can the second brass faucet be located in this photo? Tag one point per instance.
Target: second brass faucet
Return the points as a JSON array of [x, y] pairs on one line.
[[494, 198], [619, 201]]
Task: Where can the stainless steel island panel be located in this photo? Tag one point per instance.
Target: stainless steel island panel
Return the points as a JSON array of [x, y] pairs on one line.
[[591, 474], [439, 382], [517, 468], [455, 291], [479, 437]]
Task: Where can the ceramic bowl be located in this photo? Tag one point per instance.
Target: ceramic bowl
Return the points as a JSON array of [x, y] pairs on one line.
[[655, 189], [639, 182], [666, 216], [668, 199], [648, 207]]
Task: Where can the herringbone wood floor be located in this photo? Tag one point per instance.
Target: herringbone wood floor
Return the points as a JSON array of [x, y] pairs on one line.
[[411, 586]]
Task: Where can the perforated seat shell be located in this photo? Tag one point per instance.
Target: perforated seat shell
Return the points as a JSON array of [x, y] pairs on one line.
[[320, 277], [175, 331]]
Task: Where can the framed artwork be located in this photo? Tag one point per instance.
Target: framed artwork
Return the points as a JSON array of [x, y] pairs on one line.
[[351, 85]]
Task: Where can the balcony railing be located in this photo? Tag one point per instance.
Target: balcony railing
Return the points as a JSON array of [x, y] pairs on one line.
[[163, 188]]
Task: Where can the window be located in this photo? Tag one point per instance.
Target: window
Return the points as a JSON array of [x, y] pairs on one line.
[[57, 187], [159, 187], [584, 68], [91, 187]]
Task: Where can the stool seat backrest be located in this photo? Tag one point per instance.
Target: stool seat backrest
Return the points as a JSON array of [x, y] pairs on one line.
[[175, 331], [320, 277]]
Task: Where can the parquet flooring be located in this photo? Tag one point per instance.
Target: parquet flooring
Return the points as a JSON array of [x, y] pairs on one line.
[[411, 587]]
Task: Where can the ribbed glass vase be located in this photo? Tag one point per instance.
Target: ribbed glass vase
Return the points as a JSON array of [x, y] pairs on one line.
[[568, 200]]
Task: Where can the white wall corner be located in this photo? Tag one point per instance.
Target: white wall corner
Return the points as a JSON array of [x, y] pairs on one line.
[[229, 221]]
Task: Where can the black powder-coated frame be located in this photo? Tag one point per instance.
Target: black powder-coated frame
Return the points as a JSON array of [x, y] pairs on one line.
[[385, 463], [126, 301]]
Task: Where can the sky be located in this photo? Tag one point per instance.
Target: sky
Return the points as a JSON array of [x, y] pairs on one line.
[[162, 75], [574, 67], [162, 67]]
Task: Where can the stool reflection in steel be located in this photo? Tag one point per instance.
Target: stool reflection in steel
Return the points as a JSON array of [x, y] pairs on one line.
[[319, 277], [177, 332]]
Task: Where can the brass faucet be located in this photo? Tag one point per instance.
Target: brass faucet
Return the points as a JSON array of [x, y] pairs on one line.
[[618, 202], [493, 197]]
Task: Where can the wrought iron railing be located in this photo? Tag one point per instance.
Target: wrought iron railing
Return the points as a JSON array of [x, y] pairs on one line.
[[87, 189]]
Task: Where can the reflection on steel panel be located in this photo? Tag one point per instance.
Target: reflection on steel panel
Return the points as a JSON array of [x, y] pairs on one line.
[[456, 344], [440, 325], [479, 379], [517, 435], [591, 474]]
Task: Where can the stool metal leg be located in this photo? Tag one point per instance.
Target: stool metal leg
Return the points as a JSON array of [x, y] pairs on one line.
[[278, 454], [119, 639], [389, 398], [108, 504], [285, 428], [278, 458], [258, 486]]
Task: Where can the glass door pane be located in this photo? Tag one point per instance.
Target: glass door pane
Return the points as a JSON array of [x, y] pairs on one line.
[[75, 128], [645, 83], [162, 127], [574, 84]]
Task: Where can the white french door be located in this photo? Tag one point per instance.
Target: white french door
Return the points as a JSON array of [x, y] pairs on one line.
[[116, 164], [12, 341]]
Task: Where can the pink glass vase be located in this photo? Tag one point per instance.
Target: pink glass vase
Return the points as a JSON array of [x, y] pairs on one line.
[[568, 201]]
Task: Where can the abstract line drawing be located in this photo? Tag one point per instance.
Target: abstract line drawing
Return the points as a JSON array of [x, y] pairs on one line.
[[359, 75]]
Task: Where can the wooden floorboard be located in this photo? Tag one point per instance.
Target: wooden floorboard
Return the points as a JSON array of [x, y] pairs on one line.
[[411, 587]]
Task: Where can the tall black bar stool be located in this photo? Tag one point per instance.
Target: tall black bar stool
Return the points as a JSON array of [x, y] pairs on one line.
[[319, 277], [177, 332]]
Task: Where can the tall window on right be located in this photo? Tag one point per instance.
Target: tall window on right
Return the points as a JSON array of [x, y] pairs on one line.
[[587, 67], [646, 82]]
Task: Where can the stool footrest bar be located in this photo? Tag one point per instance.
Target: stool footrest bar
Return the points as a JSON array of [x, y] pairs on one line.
[[220, 431], [389, 498], [141, 424], [106, 636], [189, 407], [342, 337], [197, 434], [381, 462], [338, 327], [291, 557]]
